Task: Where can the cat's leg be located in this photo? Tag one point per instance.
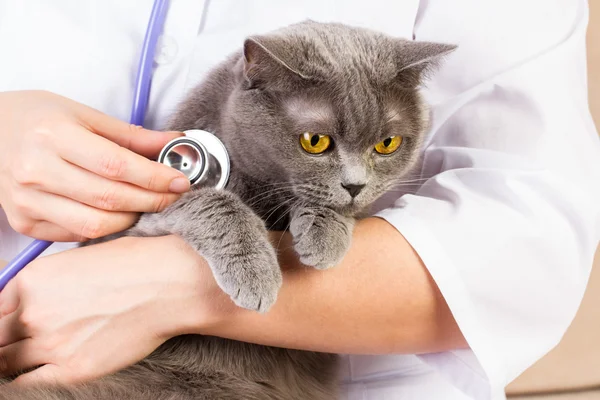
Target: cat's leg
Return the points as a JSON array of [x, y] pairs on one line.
[[230, 236], [321, 236]]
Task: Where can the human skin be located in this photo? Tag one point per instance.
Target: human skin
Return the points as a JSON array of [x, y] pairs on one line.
[[379, 300]]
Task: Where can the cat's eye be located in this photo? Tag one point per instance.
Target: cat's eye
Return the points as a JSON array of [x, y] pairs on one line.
[[314, 143], [389, 145]]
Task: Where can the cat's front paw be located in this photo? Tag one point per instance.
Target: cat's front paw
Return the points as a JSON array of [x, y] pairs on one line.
[[321, 237], [253, 278], [230, 237]]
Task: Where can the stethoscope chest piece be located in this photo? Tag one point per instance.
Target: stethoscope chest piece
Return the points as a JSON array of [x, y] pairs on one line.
[[200, 156]]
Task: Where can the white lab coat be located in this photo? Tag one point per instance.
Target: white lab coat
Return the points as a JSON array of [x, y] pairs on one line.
[[507, 224]]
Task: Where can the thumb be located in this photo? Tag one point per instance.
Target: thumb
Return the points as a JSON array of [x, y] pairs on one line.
[[135, 138]]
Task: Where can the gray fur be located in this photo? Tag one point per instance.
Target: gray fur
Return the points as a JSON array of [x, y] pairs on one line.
[[357, 86], [232, 239]]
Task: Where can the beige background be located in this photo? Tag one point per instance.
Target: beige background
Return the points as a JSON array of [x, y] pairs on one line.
[[593, 48]]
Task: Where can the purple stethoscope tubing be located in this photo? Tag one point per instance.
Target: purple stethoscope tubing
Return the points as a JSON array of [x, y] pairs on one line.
[[144, 75], [138, 112]]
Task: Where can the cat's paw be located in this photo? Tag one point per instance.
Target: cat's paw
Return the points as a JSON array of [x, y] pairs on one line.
[[321, 237], [252, 279], [231, 238]]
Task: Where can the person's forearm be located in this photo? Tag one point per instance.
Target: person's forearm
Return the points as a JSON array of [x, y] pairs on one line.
[[380, 299]]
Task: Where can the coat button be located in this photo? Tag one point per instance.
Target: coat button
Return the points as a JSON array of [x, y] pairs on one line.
[[166, 50]]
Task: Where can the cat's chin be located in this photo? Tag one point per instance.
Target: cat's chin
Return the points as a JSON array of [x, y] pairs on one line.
[[352, 209]]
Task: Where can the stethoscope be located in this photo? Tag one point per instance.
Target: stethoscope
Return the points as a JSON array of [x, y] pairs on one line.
[[199, 155]]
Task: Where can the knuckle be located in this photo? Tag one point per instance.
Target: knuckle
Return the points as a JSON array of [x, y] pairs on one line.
[[49, 345], [4, 362], [4, 308], [23, 281], [112, 166], [93, 228], [22, 203], [27, 319], [42, 134], [135, 129], [107, 200], [160, 203], [24, 226], [151, 182], [26, 171]]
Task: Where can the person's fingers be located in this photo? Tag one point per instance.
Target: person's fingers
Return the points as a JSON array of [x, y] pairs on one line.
[[79, 219], [111, 161], [48, 373], [44, 230], [39, 229], [99, 192], [136, 138], [11, 330], [9, 299]]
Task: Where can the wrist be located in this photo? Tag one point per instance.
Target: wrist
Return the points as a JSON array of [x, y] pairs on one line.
[[189, 300]]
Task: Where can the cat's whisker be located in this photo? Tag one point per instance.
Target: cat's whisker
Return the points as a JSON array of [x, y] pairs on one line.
[[297, 203], [412, 180], [269, 193], [267, 184], [419, 181], [405, 184], [282, 187], [402, 190], [282, 201], [399, 190], [274, 209], [276, 185], [283, 215]]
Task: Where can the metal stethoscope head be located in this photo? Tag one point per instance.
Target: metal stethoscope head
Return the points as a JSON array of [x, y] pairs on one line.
[[200, 156]]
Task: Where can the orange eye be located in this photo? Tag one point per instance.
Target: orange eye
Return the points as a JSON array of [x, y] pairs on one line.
[[389, 145], [314, 143]]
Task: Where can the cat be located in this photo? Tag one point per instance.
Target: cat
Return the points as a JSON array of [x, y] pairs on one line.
[[320, 120]]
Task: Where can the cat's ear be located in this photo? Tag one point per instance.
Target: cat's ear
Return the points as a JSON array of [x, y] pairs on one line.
[[416, 59], [269, 63]]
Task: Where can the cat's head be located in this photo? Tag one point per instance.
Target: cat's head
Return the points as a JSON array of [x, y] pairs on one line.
[[332, 111]]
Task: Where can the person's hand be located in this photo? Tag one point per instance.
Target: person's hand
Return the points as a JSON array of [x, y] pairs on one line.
[[69, 172], [91, 311]]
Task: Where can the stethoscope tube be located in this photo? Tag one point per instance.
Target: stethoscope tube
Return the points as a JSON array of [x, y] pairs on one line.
[[144, 75], [138, 112]]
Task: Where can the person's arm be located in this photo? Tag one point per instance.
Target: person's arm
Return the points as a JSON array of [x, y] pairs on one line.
[[135, 293], [379, 300]]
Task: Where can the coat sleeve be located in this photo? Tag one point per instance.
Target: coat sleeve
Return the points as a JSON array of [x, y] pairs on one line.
[[508, 218]]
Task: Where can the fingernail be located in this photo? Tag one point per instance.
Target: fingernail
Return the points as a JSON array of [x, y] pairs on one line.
[[179, 185]]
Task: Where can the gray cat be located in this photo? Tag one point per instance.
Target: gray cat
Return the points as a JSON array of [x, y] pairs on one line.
[[319, 120]]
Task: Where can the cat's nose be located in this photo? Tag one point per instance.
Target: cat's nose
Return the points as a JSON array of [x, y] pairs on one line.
[[354, 190]]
